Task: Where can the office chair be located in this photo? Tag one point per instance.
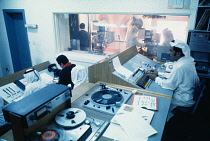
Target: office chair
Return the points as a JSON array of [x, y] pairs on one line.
[[198, 94]]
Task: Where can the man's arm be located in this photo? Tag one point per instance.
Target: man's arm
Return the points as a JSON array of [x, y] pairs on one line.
[[161, 74], [171, 82], [62, 79]]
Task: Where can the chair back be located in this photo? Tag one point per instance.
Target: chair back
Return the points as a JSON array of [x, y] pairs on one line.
[[198, 94]]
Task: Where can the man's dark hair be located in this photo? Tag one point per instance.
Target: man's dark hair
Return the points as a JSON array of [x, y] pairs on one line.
[[176, 49], [62, 59], [82, 26]]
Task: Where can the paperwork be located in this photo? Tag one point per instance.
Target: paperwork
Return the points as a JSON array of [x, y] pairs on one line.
[[130, 124], [120, 69], [46, 78], [149, 102]]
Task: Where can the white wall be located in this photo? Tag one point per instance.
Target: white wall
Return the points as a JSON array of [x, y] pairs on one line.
[[40, 12]]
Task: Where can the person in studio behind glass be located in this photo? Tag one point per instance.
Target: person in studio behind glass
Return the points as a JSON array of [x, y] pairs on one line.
[[84, 38], [65, 72]]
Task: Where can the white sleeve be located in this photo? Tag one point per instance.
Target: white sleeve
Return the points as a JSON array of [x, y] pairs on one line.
[[28, 90], [171, 82], [165, 75]]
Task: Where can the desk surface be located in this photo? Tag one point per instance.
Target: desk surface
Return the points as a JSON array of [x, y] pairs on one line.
[[158, 121]]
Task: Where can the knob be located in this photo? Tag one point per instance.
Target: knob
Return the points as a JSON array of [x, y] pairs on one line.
[[86, 102], [97, 123], [32, 117], [67, 94], [70, 114], [49, 105], [87, 122]]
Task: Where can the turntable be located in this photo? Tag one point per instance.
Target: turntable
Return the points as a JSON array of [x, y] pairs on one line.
[[71, 124], [107, 100]]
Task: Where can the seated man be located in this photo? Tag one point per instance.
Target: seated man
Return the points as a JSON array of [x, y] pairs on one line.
[[183, 77], [33, 82], [65, 73]]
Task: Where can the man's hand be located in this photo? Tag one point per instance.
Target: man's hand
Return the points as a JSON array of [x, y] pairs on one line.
[[155, 72], [152, 76]]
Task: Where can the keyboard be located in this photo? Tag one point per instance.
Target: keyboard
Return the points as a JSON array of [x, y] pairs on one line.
[[144, 81]]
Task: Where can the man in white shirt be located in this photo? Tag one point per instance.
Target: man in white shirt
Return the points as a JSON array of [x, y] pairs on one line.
[[34, 82], [183, 77]]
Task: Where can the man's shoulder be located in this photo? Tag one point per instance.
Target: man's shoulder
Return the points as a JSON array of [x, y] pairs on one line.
[[83, 32], [68, 68], [185, 68]]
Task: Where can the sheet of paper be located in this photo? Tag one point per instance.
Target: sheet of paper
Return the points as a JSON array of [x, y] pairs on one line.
[[120, 69], [116, 132], [46, 78], [132, 123], [178, 3], [146, 114], [149, 102], [136, 127], [113, 132]]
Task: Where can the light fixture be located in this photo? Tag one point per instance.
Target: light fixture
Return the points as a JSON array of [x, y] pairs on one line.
[[31, 26]]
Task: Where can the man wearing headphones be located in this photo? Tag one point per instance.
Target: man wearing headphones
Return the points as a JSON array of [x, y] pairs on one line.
[[183, 77], [33, 82]]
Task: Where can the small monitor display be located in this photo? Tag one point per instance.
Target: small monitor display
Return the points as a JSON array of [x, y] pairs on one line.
[[200, 35], [101, 29], [148, 34]]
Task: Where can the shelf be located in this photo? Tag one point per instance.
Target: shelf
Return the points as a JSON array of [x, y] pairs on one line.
[[204, 3], [203, 16], [200, 31], [205, 6], [199, 60]]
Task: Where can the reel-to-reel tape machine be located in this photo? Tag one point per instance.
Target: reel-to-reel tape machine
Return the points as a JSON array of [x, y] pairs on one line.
[[50, 118], [71, 124]]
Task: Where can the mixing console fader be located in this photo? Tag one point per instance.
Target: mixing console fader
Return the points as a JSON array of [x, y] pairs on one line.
[[139, 78], [144, 81]]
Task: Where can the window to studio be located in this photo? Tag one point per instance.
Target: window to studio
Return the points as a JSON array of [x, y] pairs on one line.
[[111, 33]]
